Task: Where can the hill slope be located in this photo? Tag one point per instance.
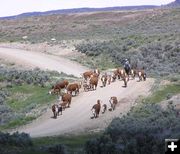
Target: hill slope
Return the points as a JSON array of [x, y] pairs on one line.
[[176, 3], [80, 10]]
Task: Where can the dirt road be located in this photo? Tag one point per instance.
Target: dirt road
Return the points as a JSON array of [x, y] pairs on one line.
[[76, 119], [41, 60]]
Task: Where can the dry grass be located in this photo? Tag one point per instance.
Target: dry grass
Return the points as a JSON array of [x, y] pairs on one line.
[[99, 25]]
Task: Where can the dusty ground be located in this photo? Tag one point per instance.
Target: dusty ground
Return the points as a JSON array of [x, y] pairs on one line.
[[41, 60], [77, 118], [63, 48]]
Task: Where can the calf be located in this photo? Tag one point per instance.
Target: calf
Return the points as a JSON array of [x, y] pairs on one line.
[[67, 98], [104, 80], [142, 75], [113, 102], [104, 108], [96, 109], [55, 110]]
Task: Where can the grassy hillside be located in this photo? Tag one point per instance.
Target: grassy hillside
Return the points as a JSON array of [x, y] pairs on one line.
[[96, 25], [149, 38], [151, 42]]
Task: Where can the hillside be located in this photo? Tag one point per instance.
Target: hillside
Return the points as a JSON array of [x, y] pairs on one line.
[[80, 10], [148, 38], [176, 3], [94, 25], [107, 37]]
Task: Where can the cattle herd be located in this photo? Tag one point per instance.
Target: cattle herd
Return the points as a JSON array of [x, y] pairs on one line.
[[89, 82]]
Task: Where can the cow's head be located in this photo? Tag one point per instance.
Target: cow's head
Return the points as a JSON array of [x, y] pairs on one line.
[[51, 91], [60, 98], [99, 102], [65, 91], [111, 100]]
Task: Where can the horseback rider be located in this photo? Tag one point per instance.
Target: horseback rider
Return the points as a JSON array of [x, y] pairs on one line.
[[127, 66]]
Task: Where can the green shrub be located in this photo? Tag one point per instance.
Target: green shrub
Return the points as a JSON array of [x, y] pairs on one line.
[[16, 139], [158, 58], [56, 149], [141, 131]]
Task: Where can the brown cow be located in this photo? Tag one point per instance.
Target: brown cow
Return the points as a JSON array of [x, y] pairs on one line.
[[94, 75], [73, 87], [113, 102], [133, 73], [57, 88], [109, 79], [116, 74], [93, 82], [104, 79], [122, 73], [142, 75], [125, 78], [64, 105], [113, 77], [67, 98], [97, 71], [96, 109], [87, 75]]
